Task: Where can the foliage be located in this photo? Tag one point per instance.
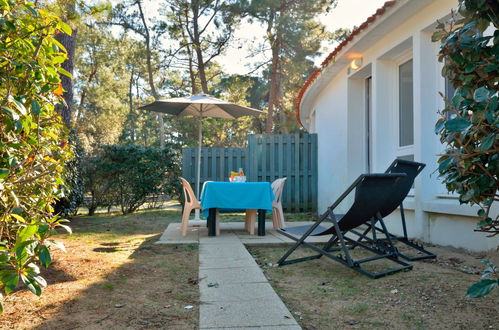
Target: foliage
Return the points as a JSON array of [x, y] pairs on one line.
[[102, 104], [486, 284], [294, 36], [73, 189], [33, 141], [127, 175], [96, 183], [469, 123]]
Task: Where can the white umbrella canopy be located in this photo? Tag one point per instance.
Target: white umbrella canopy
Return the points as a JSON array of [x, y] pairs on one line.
[[201, 106]]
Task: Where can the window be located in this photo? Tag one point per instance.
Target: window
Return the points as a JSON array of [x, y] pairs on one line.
[[406, 105]]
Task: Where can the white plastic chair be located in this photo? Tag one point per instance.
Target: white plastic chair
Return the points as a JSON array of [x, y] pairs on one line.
[[191, 203], [277, 212]]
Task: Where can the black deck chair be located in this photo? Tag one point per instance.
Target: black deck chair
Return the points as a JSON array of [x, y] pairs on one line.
[[400, 191], [371, 191]]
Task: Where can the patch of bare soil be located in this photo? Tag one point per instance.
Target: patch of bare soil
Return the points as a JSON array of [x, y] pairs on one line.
[[323, 294], [112, 277]]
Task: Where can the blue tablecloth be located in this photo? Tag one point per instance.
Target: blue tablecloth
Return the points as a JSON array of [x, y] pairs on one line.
[[236, 195]]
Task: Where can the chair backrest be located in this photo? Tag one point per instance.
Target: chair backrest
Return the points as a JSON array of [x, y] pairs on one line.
[[277, 188], [189, 195], [403, 186], [371, 190]]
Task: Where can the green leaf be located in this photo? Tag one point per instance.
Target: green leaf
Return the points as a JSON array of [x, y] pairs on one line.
[[481, 94], [32, 285], [10, 25], [487, 142], [22, 250], [18, 105], [10, 278], [439, 125], [65, 28], [3, 173], [18, 217], [68, 229], [443, 165], [44, 256], [26, 233], [64, 72], [35, 107], [457, 125], [60, 245], [482, 288]]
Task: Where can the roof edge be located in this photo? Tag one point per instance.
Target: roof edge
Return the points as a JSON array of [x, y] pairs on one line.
[[332, 56]]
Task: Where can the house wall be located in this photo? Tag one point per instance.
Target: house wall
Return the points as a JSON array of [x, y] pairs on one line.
[[340, 122]]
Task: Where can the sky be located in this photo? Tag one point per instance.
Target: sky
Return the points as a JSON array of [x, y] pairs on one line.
[[348, 13]]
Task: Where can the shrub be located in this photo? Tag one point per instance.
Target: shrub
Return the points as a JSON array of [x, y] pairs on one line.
[[73, 189], [33, 141], [128, 175], [97, 183], [469, 123]]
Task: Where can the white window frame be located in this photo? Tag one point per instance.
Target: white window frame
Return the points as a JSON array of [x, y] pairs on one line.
[[410, 149]]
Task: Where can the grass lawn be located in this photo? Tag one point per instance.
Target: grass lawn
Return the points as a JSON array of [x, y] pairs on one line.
[[323, 294], [113, 276]]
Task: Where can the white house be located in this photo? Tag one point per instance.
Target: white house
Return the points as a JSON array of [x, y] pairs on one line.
[[376, 98]]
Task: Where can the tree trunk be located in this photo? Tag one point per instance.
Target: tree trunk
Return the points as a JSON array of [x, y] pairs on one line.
[[274, 85], [69, 42], [197, 46], [150, 75], [84, 92], [130, 104]]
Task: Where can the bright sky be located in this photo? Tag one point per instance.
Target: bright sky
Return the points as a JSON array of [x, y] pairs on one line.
[[347, 14], [239, 59]]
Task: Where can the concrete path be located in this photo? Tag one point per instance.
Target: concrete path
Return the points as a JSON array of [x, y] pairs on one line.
[[234, 291]]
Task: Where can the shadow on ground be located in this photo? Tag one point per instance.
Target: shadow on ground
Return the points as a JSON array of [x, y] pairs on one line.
[[113, 276]]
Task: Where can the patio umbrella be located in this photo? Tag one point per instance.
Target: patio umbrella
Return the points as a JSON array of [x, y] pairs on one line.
[[201, 105]]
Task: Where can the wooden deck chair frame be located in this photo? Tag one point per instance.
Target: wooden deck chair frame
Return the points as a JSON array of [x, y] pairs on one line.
[[370, 191], [190, 203]]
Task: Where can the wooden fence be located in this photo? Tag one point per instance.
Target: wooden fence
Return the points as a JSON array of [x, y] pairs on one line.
[[266, 158]]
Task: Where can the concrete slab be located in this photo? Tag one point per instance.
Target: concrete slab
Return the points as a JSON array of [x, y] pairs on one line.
[[223, 251], [250, 274], [238, 292], [212, 263], [253, 313], [173, 235]]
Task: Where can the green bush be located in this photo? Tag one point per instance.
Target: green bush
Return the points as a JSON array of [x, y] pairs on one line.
[[469, 125], [33, 142], [73, 189], [128, 175]]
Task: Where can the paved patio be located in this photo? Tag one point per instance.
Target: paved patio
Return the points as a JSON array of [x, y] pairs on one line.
[[199, 234], [234, 291]]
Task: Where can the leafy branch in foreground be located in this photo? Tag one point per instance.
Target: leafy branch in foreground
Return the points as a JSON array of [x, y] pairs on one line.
[[469, 123], [33, 142]]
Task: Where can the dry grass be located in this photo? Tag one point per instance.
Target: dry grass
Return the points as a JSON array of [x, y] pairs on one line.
[[113, 277], [323, 294]]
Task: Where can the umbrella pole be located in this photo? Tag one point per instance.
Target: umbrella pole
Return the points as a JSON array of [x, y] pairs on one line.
[[198, 172]]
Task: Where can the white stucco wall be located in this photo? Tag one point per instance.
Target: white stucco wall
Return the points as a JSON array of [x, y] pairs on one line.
[[330, 124], [338, 120]]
